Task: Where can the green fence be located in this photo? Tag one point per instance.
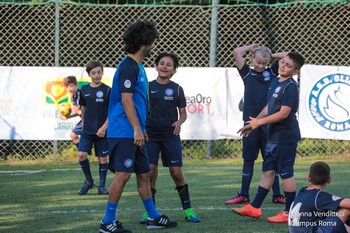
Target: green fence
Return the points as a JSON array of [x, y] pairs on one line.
[[202, 33]]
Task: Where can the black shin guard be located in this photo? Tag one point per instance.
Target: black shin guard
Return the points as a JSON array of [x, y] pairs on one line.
[[184, 196]]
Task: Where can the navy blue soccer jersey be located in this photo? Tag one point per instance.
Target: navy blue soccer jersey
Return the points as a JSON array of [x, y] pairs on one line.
[[256, 85], [75, 99], [164, 101], [129, 77], [283, 94], [309, 207], [95, 100]]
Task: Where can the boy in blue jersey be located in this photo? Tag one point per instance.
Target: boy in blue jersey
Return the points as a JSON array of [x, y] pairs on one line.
[[126, 128], [256, 83], [315, 210], [71, 85], [94, 100], [166, 102], [283, 135]]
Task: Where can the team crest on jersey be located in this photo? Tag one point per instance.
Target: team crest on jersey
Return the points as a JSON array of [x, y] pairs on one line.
[[99, 94], [128, 163], [335, 198], [266, 75], [329, 102], [276, 91], [127, 83], [169, 92]]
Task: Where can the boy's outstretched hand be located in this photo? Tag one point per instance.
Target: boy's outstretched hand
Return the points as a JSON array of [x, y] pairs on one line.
[[249, 127], [245, 131]]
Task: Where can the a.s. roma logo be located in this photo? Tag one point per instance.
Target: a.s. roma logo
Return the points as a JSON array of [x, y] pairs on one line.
[[329, 102]]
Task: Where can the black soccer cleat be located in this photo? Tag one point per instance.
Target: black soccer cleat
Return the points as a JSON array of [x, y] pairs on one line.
[[103, 190], [113, 227], [160, 222], [87, 186]]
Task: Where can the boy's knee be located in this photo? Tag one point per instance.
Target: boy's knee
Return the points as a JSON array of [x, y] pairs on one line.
[[82, 156], [73, 135], [178, 177], [103, 160]]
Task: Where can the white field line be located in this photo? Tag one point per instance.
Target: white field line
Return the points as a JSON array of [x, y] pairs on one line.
[[28, 172], [121, 209]]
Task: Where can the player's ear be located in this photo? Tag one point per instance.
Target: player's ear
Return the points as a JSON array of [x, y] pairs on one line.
[[329, 180], [308, 178], [296, 72]]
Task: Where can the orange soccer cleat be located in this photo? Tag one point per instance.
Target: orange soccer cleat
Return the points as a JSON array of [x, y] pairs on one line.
[[281, 217], [249, 211]]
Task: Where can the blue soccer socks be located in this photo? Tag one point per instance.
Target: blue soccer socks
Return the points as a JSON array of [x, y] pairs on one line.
[[110, 214], [150, 208]]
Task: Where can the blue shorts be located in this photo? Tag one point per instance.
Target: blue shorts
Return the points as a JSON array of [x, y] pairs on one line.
[[331, 225], [255, 142], [125, 156], [281, 158], [78, 128], [170, 151], [100, 145]]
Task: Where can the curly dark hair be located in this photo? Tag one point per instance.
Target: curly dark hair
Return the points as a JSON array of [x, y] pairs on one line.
[[138, 33]]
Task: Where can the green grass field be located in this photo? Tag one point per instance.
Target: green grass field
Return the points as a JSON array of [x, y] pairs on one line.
[[42, 197]]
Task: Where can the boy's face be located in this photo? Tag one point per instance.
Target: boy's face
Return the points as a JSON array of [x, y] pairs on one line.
[[72, 88], [96, 75], [260, 62], [287, 68], [165, 67]]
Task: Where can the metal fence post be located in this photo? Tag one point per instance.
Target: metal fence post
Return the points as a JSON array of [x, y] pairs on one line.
[[212, 58], [57, 54]]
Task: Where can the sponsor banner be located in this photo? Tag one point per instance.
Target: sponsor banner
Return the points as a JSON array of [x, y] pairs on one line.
[[29, 97], [207, 108], [325, 102]]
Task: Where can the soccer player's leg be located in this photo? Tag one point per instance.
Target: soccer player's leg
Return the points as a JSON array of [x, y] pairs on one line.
[[172, 157], [122, 156], [153, 150], [102, 152], [285, 158], [254, 209], [75, 133], [85, 146], [142, 169], [277, 197], [250, 151]]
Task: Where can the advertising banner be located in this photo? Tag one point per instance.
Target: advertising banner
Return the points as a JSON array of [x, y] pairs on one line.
[[30, 96], [325, 102]]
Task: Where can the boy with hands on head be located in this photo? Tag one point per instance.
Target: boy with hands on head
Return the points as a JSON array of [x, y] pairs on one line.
[[283, 135], [256, 83]]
